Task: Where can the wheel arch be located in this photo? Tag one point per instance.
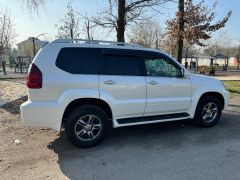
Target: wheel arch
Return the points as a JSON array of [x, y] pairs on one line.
[[83, 101], [215, 94]]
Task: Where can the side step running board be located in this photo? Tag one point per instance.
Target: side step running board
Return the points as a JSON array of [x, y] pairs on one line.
[[152, 118]]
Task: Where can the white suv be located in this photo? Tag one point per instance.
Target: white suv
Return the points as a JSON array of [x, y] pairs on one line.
[[86, 84]]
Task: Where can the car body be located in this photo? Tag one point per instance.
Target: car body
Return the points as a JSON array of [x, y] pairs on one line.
[[139, 90]]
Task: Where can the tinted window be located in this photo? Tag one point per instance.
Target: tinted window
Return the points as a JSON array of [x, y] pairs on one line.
[[79, 60], [161, 67], [121, 65]]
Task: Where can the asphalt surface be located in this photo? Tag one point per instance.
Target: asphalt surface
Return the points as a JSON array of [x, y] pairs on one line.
[[175, 150]]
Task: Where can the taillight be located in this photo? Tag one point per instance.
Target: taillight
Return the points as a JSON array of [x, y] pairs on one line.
[[34, 78]]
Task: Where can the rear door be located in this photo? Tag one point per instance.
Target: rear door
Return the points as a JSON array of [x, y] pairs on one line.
[[167, 91], [122, 82]]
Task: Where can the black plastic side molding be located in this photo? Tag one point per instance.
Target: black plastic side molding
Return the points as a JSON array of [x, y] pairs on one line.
[[152, 118]]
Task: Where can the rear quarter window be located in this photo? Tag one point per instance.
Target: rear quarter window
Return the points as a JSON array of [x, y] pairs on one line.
[[79, 60]]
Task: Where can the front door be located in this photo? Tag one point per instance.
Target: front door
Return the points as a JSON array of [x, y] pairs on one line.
[[167, 91]]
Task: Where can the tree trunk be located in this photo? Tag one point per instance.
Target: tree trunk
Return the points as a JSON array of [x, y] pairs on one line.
[[172, 48], [88, 30], [186, 54], [4, 67], [156, 46], [121, 20], [180, 30], [71, 33]]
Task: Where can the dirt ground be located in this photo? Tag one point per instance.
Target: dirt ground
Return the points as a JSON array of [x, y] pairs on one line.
[[11, 90], [32, 158], [43, 154]]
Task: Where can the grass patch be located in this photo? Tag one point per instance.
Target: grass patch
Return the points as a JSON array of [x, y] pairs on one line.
[[233, 86]]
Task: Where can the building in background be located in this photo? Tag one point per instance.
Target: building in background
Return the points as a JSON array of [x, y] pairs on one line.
[[26, 48], [206, 61]]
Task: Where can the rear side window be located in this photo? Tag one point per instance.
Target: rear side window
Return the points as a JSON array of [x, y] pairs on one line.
[[79, 60], [121, 65]]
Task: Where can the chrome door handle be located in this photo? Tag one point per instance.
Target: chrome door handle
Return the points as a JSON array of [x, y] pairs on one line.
[[152, 82], [109, 82]]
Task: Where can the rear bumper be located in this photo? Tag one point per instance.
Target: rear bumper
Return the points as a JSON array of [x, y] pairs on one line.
[[42, 114]]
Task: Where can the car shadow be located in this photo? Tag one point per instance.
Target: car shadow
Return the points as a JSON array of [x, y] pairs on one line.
[[13, 107], [129, 146]]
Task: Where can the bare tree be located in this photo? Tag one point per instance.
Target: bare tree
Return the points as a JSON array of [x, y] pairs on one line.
[[6, 35], [69, 26], [88, 30], [33, 5], [121, 13], [6, 31], [196, 24], [220, 44], [169, 44], [147, 34]]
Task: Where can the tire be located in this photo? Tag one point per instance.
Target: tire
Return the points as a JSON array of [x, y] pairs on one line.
[[86, 126], [204, 115]]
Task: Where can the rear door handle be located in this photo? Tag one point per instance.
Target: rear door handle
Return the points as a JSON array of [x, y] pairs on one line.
[[109, 82], [152, 82]]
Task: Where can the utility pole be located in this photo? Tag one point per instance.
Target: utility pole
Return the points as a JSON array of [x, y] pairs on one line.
[[227, 60], [33, 42], [34, 47], [238, 60]]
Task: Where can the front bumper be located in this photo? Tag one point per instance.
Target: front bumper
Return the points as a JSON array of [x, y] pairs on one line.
[[226, 94]]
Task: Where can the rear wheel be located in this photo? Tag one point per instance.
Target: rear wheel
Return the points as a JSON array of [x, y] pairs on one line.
[[208, 111], [86, 126]]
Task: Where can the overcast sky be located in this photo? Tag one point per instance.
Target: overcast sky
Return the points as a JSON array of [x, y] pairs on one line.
[[27, 25]]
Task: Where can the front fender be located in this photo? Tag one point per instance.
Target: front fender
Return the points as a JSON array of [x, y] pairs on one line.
[[197, 94]]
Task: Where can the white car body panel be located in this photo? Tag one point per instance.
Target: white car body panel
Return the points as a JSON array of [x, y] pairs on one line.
[[49, 114], [203, 84], [129, 97], [169, 95]]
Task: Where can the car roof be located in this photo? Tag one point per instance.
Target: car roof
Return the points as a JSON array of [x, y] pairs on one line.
[[102, 44]]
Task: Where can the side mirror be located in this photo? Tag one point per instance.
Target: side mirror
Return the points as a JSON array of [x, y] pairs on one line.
[[179, 73]]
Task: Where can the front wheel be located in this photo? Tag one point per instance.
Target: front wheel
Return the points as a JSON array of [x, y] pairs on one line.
[[86, 126], [208, 112]]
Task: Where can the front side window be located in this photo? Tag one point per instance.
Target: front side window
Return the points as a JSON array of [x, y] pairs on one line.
[[161, 67]]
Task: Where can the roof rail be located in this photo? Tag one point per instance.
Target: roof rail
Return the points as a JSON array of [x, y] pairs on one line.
[[83, 41]]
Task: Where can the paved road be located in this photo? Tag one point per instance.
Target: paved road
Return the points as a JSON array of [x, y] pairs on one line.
[[176, 150], [227, 75]]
